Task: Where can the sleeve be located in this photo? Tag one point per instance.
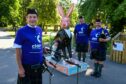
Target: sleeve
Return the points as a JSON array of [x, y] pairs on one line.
[[90, 37], [18, 40], [88, 30]]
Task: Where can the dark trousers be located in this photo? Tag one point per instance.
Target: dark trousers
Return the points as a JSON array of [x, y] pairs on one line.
[[32, 76]]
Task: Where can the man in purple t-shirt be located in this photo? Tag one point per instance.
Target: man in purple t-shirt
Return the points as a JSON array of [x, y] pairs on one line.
[[81, 38], [29, 52], [98, 43]]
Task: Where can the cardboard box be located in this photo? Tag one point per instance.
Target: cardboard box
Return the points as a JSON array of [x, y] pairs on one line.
[[66, 68]]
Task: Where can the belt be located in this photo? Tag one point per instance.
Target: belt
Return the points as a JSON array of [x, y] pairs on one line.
[[34, 66]]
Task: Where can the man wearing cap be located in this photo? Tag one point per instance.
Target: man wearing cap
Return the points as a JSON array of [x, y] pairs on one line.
[[29, 52], [81, 38], [98, 43]]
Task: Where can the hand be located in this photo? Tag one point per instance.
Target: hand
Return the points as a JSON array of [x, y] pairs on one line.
[[102, 40], [21, 72], [46, 50]]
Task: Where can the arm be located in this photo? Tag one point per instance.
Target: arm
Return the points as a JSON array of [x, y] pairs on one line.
[[21, 70], [88, 30], [107, 37], [75, 34], [104, 40], [18, 45]]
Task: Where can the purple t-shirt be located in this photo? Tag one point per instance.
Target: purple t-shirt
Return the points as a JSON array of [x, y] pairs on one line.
[[94, 37], [81, 33], [31, 41]]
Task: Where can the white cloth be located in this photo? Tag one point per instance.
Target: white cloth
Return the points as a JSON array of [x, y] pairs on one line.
[[16, 45], [54, 47], [31, 26], [68, 32]]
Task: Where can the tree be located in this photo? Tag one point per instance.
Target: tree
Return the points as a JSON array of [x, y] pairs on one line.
[[23, 9], [108, 10], [9, 11], [14, 13], [47, 11]]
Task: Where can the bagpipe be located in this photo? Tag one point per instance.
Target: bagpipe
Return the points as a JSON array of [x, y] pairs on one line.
[[103, 36], [43, 67], [95, 52]]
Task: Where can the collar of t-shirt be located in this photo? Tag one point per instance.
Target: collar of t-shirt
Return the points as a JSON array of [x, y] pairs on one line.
[[31, 26], [68, 32], [98, 27], [82, 23]]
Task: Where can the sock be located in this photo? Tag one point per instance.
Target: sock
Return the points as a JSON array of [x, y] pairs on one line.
[[84, 56], [79, 56]]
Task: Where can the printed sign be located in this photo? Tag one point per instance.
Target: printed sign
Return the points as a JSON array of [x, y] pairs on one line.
[[118, 46]]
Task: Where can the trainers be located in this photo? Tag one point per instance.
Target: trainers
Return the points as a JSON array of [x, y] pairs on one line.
[[96, 75]]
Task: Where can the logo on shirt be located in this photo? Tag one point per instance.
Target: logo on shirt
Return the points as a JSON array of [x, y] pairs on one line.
[[97, 34], [81, 32], [36, 46], [39, 38]]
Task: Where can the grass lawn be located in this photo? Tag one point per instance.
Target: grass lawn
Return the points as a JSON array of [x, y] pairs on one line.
[[11, 33]]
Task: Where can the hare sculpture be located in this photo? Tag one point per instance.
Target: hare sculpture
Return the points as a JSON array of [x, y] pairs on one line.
[[62, 40]]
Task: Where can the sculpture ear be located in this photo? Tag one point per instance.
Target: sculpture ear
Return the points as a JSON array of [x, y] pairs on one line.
[[60, 10], [70, 10]]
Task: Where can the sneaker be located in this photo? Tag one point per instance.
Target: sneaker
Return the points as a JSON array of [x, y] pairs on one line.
[[96, 75]]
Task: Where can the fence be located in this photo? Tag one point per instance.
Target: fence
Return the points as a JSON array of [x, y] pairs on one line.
[[118, 48]]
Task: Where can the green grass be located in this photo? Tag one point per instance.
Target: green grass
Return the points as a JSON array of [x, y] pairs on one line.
[[47, 39], [51, 29], [11, 32]]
